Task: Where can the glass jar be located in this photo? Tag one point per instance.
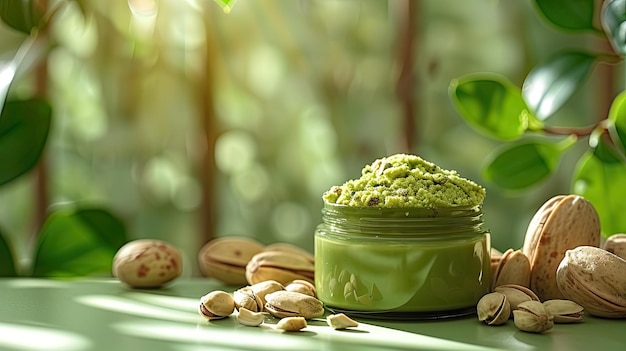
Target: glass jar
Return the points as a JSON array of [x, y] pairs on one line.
[[399, 262]]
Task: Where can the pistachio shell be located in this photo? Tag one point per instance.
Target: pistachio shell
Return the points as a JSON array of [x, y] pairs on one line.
[[285, 247], [246, 299], [341, 321], [562, 223], [595, 279], [283, 303], [516, 294], [282, 267], [216, 304], [493, 309], [513, 268], [532, 316], [301, 286], [226, 258], [564, 311], [264, 288], [616, 244]]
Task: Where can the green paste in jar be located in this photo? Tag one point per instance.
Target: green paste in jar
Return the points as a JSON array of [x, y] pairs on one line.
[[403, 180]]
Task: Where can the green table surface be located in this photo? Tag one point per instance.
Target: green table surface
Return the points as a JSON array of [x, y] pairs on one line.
[[103, 314]]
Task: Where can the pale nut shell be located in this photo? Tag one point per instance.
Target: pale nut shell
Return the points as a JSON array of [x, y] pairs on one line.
[[301, 286], [513, 268], [285, 247], [263, 288], [595, 279], [341, 321], [246, 299], [493, 309], [532, 316], [616, 244], [280, 266], [250, 318], [562, 223], [225, 258], [283, 304], [216, 305], [147, 263], [291, 324], [564, 311], [516, 294]]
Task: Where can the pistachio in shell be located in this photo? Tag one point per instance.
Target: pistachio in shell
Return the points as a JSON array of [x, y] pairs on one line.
[[280, 266], [226, 258], [284, 303]]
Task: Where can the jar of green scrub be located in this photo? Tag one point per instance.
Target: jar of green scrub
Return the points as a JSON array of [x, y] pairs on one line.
[[419, 250]]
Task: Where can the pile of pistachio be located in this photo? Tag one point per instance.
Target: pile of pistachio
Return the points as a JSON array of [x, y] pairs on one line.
[[563, 264], [292, 304]]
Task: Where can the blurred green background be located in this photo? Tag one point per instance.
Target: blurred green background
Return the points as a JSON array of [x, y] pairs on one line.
[[190, 123]]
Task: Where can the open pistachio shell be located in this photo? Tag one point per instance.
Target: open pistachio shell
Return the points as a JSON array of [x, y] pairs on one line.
[[282, 304], [564, 311]]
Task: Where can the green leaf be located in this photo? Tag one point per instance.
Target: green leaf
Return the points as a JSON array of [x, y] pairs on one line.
[[22, 15], [492, 105], [226, 5], [617, 115], [549, 85], [78, 242], [614, 22], [7, 262], [522, 165], [600, 177], [568, 14], [24, 127]]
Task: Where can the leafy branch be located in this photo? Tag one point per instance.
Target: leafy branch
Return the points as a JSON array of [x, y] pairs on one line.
[[499, 109]]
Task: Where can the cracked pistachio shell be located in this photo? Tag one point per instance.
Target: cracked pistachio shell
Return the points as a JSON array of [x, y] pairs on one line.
[[561, 223], [284, 303], [280, 266], [532, 316], [226, 258], [301, 286], [250, 318], [291, 324], [512, 268], [246, 299], [264, 288], [493, 309], [216, 305], [341, 321], [516, 294], [564, 311]]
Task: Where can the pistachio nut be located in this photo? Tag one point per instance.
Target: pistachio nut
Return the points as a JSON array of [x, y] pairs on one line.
[[301, 286], [516, 294], [513, 268], [532, 316], [595, 279], [216, 305], [562, 223], [341, 321], [493, 309], [285, 247], [284, 303], [616, 244], [291, 324], [250, 318], [147, 263], [564, 311], [226, 258], [246, 299], [280, 266]]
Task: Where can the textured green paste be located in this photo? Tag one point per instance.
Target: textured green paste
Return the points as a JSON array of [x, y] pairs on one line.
[[406, 181]]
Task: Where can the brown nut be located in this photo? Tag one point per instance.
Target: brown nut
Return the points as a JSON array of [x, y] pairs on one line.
[[562, 223], [512, 268], [280, 266], [616, 244], [595, 279], [226, 258], [147, 263]]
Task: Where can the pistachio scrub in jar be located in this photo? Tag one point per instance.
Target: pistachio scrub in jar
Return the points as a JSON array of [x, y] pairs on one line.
[[406, 239]]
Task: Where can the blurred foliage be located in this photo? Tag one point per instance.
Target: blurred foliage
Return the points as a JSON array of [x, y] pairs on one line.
[[302, 93], [503, 111]]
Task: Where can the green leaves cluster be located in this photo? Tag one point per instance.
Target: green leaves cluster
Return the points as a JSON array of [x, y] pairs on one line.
[[496, 107], [78, 241]]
